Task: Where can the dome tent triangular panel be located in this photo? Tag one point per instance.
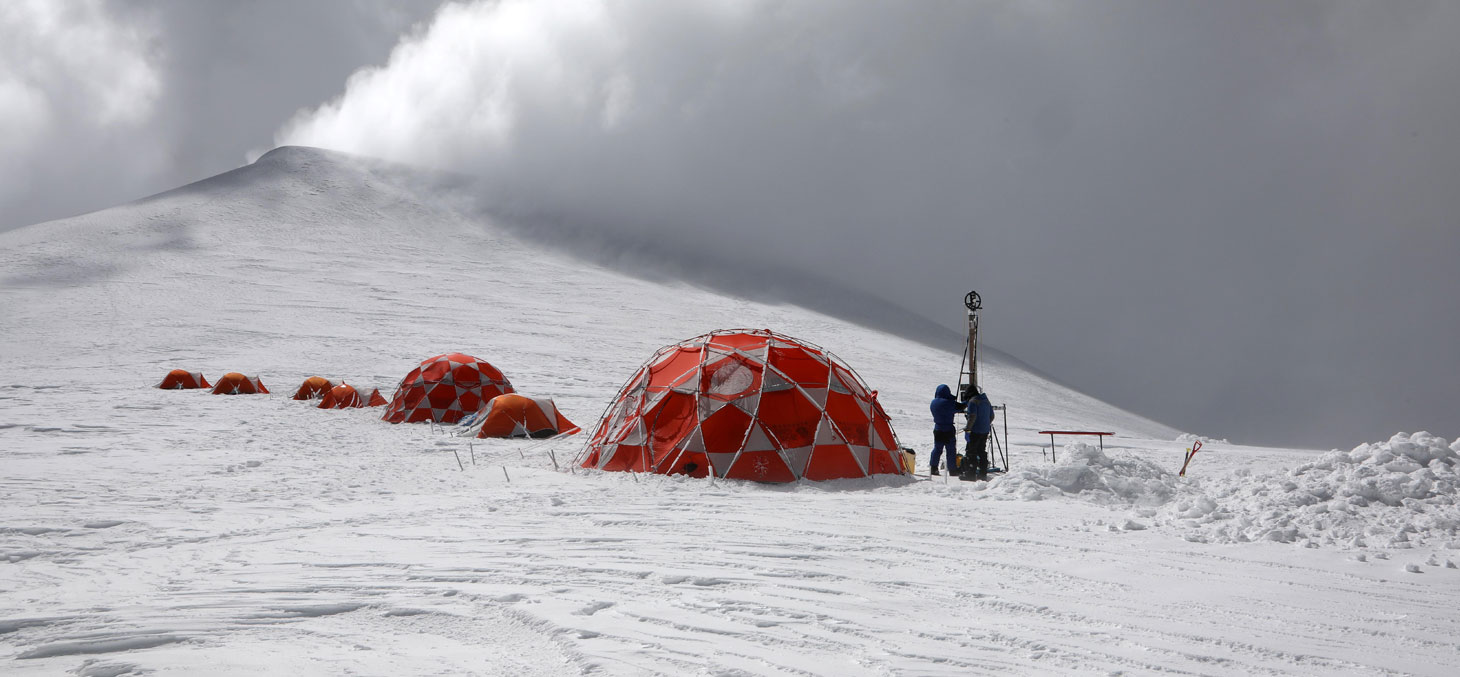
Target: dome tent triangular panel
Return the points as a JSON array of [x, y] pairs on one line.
[[444, 389], [516, 415], [234, 383], [182, 379], [798, 412]]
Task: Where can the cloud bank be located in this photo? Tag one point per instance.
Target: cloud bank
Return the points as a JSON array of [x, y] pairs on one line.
[[105, 101], [1239, 218], [70, 72]]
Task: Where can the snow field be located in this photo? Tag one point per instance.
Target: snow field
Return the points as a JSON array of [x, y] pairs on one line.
[[178, 532]]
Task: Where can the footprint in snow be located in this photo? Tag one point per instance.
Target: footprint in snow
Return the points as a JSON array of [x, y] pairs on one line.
[[592, 608]]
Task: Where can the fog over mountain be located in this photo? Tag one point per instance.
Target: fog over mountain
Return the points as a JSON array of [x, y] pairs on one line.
[[104, 101], [1237, 218]]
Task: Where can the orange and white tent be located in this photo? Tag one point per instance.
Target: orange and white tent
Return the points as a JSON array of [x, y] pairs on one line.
[[515, 415], [314, 388], [182, 379], [234, 383], [445, 388], [746, 404], [346, 396]]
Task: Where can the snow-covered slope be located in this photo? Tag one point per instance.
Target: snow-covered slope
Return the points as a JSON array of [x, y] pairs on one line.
[[182, 533]]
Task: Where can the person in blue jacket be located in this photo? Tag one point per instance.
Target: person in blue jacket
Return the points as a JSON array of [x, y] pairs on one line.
[[980, 422], [945, 434]]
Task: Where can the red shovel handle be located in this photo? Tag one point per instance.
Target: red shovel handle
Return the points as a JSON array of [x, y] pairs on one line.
[[1189, 453]]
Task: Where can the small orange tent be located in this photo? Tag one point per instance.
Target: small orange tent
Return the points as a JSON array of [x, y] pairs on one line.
[[234, 383], [182, 379], [444, 389], [314, 388], [346, 396], [514, 415]]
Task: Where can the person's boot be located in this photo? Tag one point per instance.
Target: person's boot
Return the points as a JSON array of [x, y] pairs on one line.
[[933, 470]]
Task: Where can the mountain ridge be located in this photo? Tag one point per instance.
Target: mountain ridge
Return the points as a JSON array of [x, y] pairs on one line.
[[309, 201]]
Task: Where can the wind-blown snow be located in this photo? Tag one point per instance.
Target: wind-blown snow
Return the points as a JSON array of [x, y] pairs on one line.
[[179, 532], [1403, 493], [1089, 473]]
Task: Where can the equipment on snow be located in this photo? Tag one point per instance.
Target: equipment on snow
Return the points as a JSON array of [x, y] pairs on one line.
[[968, 377], [977, 468], [1190, 452]]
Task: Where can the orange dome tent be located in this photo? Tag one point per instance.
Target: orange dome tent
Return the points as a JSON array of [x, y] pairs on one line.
[[746, 404], [182, 379], [514, 415], [346, 396], [234, 383], [445, 388], [314, 388]]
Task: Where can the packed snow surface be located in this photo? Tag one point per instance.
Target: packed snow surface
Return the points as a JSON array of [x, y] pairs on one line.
[[178, 532]]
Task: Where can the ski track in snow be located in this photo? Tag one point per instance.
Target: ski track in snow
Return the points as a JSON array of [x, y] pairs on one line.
[[177, 532]]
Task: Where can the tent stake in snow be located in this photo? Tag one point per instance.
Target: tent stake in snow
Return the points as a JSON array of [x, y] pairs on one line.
[[473, 449], [504, 474], [458, 460], [554, 458], [1189, 454]]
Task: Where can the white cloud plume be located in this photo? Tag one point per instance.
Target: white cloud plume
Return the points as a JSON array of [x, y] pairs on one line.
[[1110, 175], [103, 101], [69, 70]]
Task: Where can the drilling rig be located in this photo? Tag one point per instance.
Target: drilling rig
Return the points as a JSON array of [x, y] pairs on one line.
[[998, 452], [968, 377]]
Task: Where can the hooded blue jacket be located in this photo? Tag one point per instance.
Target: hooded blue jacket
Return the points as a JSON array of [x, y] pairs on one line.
[[944, 406], [982, 413]]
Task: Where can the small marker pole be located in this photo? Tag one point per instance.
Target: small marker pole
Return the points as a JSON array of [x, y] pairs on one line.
[[504, 474], [458, 460], [473, 449], [554, 458]]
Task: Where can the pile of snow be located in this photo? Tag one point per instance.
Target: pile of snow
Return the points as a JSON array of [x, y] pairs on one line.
[[1398, 494], [1088, 473]]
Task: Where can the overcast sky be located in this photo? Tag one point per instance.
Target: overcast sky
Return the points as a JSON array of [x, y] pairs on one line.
[[1238, 218]]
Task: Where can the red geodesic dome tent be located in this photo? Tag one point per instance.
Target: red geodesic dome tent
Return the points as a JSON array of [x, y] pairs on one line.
[[445, 388], [746, 404]]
